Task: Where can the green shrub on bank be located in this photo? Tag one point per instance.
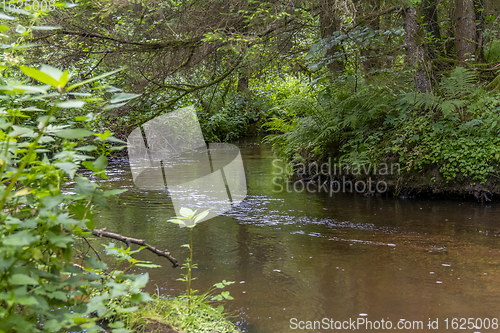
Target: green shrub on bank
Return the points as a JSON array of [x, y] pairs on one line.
[[161, 312], [455, 130]]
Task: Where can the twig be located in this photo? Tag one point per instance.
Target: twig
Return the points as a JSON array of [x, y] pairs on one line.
[[129, 240], [95, 251]]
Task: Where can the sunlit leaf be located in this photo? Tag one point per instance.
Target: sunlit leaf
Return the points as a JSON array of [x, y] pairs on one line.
[[186, 212], [45, 27], [75, 133], [77, 104], [39, 76], [118, 98]]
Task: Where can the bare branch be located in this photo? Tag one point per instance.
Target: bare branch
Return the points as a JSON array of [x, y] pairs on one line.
[[129, 240]]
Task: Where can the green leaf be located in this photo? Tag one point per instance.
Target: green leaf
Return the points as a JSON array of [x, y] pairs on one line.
[[21, 238], [45, 27], [101, 162], [80, 94], [103, 136], [113, 106], [98, 77], [118, 98], [39, 76], [71, 104], [4, 28], [114, 192], [28, 89], [98, 172], [52, 201], [22, 279], [53, 72], [80, 320], [148, 265], [225, 294], [64, 79], [29, 300], [61, 241], [20, 193], [81, 211], [117, 324], [68, 167], [186, 212], [176, 221], [87, 148], [95, 263], [112, 89], [74, 133], [142, 297], [201, 216]]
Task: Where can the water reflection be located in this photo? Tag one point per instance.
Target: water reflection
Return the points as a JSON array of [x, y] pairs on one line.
[[312, 256]]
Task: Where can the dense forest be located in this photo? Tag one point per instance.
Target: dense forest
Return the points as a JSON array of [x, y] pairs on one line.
[[358, 82]]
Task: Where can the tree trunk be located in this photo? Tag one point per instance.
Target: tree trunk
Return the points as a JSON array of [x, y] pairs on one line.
[[466, 38], [372, 62], [416, 50], [242, 83], [480, 9], [329, 20]]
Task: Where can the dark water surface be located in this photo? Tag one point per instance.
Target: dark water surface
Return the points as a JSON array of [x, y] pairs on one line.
[[310, 256]]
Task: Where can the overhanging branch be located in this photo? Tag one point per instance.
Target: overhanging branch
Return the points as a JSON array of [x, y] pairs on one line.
[[129, 240]]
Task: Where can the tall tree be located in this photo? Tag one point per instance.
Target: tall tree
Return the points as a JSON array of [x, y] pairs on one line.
[[330, 22], [480, 8], [466, 36], [370, 9], [416, 50]]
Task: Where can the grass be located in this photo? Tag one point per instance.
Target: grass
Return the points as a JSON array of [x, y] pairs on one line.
[[169, 315]]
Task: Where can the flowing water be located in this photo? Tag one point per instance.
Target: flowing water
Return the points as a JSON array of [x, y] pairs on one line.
[[309, 256]]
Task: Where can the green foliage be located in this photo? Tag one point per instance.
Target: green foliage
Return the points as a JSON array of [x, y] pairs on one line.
[[203, 315], [454, 131], [232, 120], [41, 286], [191, 307], [317, 125], [457, 133]]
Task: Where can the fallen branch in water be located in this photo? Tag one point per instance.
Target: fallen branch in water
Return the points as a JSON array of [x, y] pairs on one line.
[[129, 240]]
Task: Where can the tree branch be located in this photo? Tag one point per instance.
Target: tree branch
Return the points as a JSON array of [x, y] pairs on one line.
[[129, 240], [150, 46]]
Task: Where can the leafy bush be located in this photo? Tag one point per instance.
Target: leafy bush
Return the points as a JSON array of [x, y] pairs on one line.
[[455, 130], [42, 289]]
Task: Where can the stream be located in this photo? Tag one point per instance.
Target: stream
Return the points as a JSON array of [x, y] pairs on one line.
[[297, 257]]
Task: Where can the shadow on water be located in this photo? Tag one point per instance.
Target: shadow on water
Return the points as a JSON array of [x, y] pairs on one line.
[[311, 256]]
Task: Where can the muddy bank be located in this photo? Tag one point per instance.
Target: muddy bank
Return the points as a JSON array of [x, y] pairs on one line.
[[404, 185]]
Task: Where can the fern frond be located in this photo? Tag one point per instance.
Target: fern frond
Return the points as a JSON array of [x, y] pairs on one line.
[[460, 83]]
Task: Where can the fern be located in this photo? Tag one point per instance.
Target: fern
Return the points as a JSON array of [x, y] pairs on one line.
[[458, 91], [459, 84]]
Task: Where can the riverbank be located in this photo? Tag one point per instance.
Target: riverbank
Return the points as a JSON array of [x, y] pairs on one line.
[[384, 179], [174, 315]]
